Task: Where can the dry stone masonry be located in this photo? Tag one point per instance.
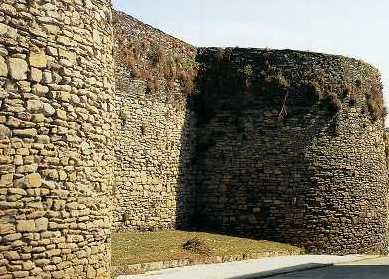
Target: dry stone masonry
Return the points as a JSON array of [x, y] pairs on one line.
[[155, 136], [280, 145], [56, 95], [289, 148]]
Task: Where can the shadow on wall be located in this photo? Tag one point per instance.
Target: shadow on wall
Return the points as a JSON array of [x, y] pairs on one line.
[[154, 146], [185, 191], [304, 178]]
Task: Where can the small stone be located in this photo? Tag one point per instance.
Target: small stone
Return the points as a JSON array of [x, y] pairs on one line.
[[43, 139], [6, 30], [18, 68], [38, 59], [48, 109], [47, 77], [62, 175], [7, 228], [11, 255], [25, 226], [85, 148], [3, 29], [40, 90], [28, 265], [13, 122], [25, 132], [5, 132], [33, 180], [42, 262], [52, 51], [50, 173], [12, 237], [64, 40], [20, 274], [27, 168], [38, 118], [3, 67], [3, 94], [36, 75], [6, 179], [41, 224], [34, 105], [17, 191], [61, 114]]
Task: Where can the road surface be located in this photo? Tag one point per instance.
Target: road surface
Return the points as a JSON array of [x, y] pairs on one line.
[[268, 266], [365, 269]]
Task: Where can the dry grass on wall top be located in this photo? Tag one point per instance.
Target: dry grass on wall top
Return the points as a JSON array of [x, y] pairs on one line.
[[242, 78], [159, 66]]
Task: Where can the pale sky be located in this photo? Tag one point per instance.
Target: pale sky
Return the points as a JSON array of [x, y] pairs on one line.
[[355, 28]]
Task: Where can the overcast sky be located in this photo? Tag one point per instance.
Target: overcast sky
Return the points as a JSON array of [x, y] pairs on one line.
[[356, 28]]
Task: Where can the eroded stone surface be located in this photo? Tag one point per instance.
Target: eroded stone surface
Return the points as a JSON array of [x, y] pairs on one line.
[[54, 198], [38, 58], [3, 67], [18, 68]]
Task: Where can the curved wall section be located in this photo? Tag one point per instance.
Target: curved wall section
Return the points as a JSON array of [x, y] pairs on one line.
[[56, 89], [290, 148]]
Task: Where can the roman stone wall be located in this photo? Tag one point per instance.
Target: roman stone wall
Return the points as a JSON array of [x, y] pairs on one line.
[[56, 97], [290, 148], [154, 139], [279, 145]]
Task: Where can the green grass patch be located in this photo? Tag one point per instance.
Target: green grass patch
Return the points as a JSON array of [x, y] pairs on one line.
[[135, 247]]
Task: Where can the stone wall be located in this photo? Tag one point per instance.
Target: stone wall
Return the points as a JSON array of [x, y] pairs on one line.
[[56, 79], [290, 148], [280, 145], [154, 140]]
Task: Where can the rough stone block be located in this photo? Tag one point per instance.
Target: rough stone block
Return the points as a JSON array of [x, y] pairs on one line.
[[3, 67], [5, 132], [40, 90], [48, 109], [7, 228], [41, 224], [33, 180], [25, 226], [61, 114], [18, 68], [38, 58], [11, 255], [36, 75], [12, 237], [25, 132], [34, 106]]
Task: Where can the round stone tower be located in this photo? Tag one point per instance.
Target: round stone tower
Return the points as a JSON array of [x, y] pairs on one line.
[[291, 148], [56, 88]]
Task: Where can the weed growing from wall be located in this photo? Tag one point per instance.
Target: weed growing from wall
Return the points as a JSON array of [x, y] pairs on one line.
[[162, 67]]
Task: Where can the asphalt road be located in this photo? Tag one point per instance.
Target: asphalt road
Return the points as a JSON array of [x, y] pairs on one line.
[[254, 268], [365, 269]]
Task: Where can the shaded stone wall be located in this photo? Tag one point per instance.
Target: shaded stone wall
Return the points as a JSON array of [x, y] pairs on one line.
[[154, 140], [56, 79], [290, 148]]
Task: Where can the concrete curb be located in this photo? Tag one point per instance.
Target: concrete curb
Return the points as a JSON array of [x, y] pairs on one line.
[[287, 270], [142, 268], [260, 274]]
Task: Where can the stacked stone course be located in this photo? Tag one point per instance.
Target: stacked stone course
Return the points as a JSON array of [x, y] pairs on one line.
[[154, 139], [56, 95]]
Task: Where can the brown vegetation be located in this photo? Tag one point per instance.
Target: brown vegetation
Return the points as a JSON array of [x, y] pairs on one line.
[[160, 67]]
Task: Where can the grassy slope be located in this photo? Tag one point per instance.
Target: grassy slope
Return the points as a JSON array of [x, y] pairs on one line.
[[133, 247]]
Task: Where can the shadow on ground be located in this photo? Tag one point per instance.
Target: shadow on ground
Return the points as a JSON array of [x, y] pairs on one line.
[[324, 272]]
